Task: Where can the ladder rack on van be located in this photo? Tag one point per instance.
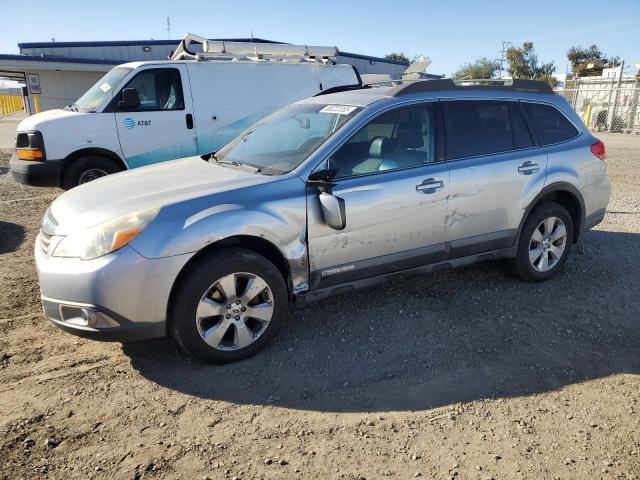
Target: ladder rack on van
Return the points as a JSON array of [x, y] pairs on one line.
[[223, 50]]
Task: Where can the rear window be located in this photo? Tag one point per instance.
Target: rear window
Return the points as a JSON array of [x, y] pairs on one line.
[[477, 128], [550, 125]]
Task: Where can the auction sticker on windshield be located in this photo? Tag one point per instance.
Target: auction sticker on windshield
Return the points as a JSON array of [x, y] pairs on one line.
[[338, 109]]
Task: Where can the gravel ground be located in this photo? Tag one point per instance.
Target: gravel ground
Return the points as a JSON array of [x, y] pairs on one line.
[[468, 374]]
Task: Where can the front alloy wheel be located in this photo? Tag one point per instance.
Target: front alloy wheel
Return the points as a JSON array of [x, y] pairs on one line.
[[234, 311], [228, 305]]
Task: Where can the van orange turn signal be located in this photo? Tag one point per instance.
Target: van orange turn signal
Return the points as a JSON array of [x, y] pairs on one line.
[[25, 154]]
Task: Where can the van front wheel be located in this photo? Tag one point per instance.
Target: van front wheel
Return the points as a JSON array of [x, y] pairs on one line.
[[86, 169]]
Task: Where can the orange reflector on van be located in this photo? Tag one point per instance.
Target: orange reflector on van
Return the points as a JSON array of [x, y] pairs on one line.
[[29, 154]]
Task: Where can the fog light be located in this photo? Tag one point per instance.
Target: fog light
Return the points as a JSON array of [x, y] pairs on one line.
[[90, 316]]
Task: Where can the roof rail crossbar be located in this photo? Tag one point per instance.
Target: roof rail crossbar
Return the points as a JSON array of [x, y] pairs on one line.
[[511, 85]]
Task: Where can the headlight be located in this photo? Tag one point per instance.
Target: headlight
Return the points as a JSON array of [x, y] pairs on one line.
[[106, 237]]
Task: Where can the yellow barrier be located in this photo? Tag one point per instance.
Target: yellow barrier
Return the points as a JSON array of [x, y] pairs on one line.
[[10, 104], [587, 120], [36, 103]]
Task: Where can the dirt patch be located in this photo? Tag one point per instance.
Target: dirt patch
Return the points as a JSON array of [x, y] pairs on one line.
[[468, 374]]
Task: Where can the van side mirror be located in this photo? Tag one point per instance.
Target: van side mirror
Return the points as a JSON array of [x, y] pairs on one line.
[[333, 209], [130, 99]]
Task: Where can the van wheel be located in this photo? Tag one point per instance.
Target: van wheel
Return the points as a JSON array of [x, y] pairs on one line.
[[229, 306], [86, 169], [545, 243]]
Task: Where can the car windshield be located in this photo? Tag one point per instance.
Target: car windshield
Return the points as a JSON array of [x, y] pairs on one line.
[[280, 142], [94, 97]]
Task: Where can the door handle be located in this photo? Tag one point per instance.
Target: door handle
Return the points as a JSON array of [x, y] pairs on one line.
[[528, 167], [189, 119], [430, 185]]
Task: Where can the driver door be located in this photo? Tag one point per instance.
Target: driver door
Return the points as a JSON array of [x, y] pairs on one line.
[[395, 200]]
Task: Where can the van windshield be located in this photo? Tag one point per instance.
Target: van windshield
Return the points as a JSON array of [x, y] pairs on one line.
[[94, 97], [280, 142]]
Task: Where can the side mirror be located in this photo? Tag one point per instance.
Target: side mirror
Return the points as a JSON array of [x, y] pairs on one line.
[[332, 207], [323, 179], [333, 210], [130, 99]]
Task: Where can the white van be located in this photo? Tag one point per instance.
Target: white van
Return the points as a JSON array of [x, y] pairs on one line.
[[146, 112]]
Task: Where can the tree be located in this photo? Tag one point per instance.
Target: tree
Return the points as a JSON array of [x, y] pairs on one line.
[[481, 68], [523, 63], [581, 58], [397, 56]]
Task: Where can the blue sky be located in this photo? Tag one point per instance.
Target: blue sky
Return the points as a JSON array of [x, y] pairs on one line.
[[450, 32]]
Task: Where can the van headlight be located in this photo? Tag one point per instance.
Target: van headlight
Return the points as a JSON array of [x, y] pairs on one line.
[[105, 237]]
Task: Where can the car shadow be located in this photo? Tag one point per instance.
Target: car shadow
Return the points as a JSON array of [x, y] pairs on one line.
[[11, 236], [3, 170], [436, 340]]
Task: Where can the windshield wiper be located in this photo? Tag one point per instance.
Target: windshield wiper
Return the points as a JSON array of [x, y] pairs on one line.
[[236, 163]]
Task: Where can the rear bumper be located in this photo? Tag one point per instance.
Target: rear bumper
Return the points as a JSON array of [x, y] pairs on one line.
[[38, 174]]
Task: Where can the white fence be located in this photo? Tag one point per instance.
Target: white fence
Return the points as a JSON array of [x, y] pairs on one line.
[[606, 104]]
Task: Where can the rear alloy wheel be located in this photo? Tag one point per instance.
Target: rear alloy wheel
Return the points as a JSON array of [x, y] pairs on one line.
[[228, 306], [545, 243]]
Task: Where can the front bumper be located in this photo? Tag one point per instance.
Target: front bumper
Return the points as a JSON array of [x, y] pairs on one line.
[[121, 296], [37, 173], [96, 323]]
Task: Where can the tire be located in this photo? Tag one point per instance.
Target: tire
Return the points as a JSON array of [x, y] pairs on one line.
[[529, 263], [85, 169], [201, 308]]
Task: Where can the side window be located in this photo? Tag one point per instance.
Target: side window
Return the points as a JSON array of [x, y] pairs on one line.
[[400, 138], [477, 128], [158, 89], [521, 136], [550, 125]]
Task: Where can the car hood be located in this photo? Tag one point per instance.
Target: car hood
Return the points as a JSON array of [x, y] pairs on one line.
[[143, 188]]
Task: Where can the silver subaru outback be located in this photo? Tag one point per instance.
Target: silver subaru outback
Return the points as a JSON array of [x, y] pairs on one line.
[[336, 192]]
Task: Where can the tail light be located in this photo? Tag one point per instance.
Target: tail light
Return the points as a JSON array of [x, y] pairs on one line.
[[598, 150]]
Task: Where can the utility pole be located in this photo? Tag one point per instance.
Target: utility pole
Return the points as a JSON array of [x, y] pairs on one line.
[[168, 28], [505, 47]]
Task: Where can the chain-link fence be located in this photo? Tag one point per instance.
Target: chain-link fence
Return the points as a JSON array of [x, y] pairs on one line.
[[604, 104]]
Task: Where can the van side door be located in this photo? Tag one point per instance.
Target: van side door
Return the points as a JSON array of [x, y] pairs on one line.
[[495, 167], [161, 126]]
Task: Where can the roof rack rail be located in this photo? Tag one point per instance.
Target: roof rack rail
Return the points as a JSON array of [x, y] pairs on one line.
[[342, 88], [222, 49], [510, 85]]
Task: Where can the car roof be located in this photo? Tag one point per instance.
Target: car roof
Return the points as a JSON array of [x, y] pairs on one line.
[[430, 89], [359, 98]]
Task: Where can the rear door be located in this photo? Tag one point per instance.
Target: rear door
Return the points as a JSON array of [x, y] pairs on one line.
[[494, 166], [162, 126]]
